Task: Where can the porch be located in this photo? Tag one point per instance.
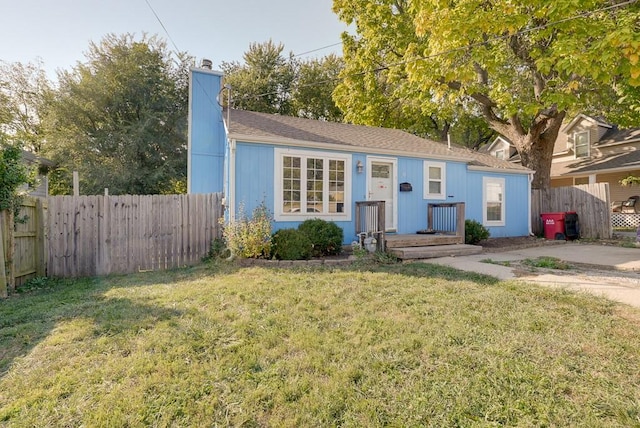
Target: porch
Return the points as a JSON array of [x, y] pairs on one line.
[[444, 235]]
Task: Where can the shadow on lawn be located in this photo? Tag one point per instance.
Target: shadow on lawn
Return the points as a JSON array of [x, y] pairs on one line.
[[27, 320]]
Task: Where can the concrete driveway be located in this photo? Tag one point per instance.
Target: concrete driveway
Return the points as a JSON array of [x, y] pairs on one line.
[[609, 271]]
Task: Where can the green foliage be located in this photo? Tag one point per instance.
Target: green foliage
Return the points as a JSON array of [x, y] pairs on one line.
[[120, 119], [263, 81], [269, 82], [630, 180], [325, 236], [291, 244], [24, 94], [13, 175], [522, 65], [547, 263], [474, 232], [249, 237], [217, 250]]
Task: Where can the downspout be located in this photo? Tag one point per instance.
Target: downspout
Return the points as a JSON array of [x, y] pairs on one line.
[[232, 180], [530, 219]]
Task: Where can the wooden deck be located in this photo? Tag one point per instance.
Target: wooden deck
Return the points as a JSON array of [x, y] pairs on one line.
[[419, 240], [418, 246]]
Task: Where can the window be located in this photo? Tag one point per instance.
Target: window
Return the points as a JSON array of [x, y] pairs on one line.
[[500, 154], [493, 201], [434, 180], [580, 180], [581, 144], [311, 184]]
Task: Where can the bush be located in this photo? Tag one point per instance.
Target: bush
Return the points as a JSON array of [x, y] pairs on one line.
[[325, 236], [474, 232], [290, 244], [249, 238]]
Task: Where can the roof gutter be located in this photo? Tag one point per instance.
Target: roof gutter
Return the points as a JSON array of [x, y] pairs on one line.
[[342, 148], [499, 170]]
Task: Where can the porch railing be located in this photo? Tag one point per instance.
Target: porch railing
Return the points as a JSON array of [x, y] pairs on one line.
[[370, 221], [447, 218]]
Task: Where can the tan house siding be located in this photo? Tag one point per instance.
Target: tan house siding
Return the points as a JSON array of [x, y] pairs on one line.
[[561, 144], [616, 190], [562, 182]]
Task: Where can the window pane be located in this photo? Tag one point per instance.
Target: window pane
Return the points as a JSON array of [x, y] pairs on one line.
[[380, 171], [435, 187], [435, 173], [290, 184], [494, 211], [336, 186]]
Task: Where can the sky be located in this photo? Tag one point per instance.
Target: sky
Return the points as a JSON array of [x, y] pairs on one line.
[[58, 32]]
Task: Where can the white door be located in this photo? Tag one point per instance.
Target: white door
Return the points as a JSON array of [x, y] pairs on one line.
[[382, 187]]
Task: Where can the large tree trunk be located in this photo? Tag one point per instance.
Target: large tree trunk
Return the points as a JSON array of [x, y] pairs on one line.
[[534, 145]]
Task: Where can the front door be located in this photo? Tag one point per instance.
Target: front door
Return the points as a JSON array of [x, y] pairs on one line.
[[382, 187]]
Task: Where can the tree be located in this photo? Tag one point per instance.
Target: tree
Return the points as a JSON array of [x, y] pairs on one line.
[[311, 95], [263, 82], [120, 118], [269, 82], [522, 64], [24, 91]]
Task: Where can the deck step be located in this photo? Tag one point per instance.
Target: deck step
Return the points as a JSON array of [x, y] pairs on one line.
[[417, 240], [433, 251]]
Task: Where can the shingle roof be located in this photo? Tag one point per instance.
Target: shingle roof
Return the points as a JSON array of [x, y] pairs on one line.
[[353, 137], [622, 160], [615, 135]]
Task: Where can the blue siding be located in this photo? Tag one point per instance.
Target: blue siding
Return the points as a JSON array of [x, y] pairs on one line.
[[516, 199], [206, 133], [412, 208], [254, 175], [255, 184]]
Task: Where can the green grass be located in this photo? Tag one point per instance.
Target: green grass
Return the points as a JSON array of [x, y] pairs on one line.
[[546, 263], [397, 345]]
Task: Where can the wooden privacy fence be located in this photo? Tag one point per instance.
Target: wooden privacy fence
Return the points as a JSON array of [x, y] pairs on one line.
[[23, 245], [590, 201], [99, 235]]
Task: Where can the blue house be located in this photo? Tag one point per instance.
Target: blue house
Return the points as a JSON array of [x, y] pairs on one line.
[[302, 168]]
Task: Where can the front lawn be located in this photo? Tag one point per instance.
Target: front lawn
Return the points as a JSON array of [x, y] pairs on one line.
[[401, 345]]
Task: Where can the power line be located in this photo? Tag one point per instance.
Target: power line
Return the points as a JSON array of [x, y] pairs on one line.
[[163, 27], [460, 48], [316, 50]]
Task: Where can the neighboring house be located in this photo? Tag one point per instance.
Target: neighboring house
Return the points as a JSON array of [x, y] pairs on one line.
[[501, 148], [302, 168], [42, 186], [588, 150]]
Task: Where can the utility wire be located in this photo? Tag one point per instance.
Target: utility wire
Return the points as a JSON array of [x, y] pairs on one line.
[[460, 48], [315, 50], [163, 27]]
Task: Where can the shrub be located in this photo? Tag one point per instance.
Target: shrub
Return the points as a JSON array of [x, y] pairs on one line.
[[474, 232], [325, 236], [290, 244], [249, 238]]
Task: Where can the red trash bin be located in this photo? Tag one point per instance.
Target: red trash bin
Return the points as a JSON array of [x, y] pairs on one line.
[[553, 224]]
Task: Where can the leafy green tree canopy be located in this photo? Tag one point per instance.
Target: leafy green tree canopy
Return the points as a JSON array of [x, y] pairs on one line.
[[24, 91], [120, 119], [270, 82], [522, 64]]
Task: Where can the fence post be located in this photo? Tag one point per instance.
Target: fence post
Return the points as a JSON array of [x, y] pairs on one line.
[[41, 263], [3, 270]]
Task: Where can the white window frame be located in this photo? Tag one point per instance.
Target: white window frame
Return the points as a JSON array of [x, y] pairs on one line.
[[443, 180], [500, 153], [588, 143], [279, 215], [486, 181]]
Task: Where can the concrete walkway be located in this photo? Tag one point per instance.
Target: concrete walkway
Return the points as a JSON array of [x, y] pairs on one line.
[[609, 271]]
